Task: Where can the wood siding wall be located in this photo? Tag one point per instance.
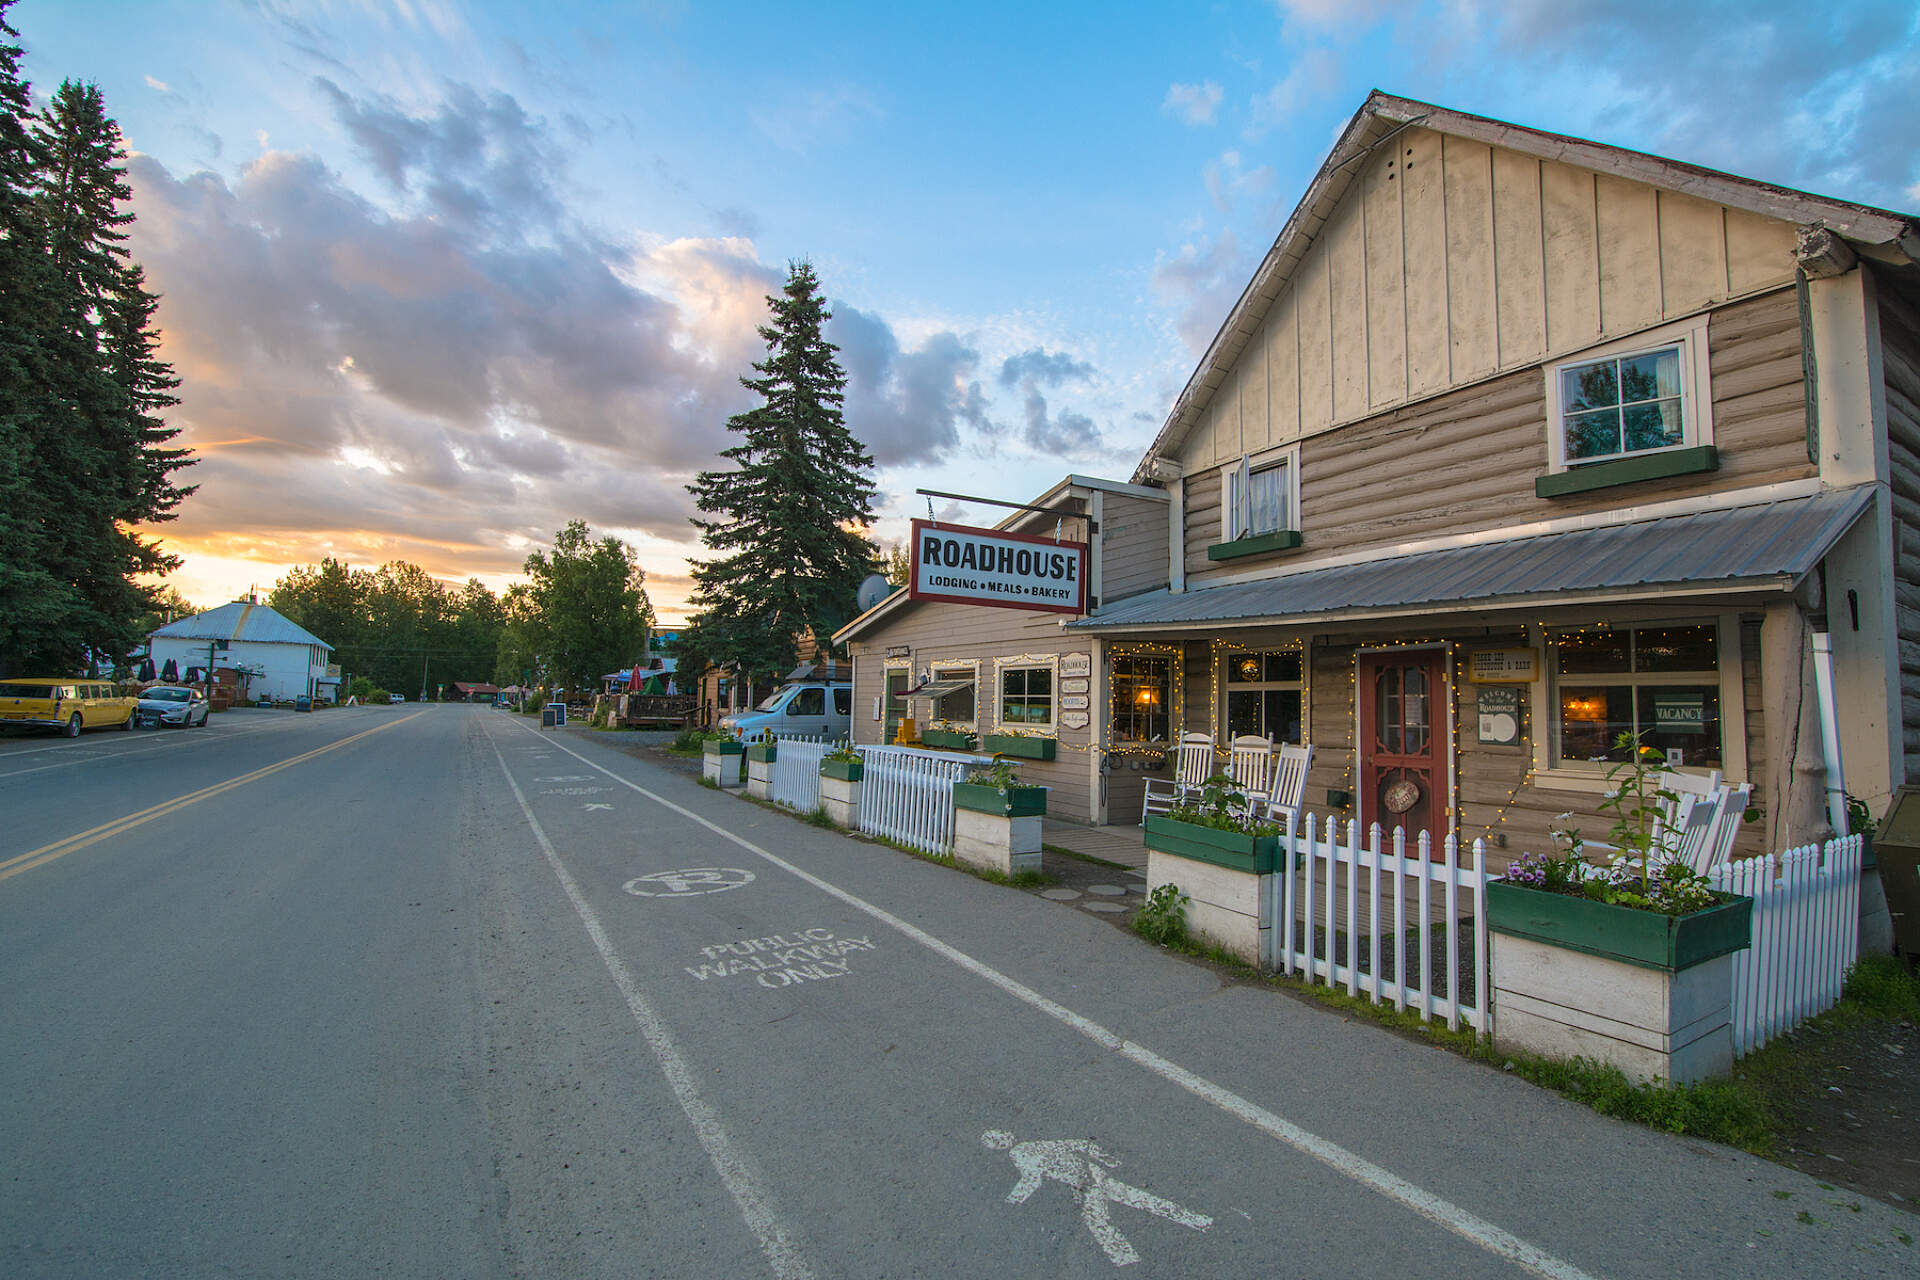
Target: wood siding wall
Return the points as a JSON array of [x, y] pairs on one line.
[[951, 633], [1449, 261], [1467, 460], [1133, 546], [1900, 354]]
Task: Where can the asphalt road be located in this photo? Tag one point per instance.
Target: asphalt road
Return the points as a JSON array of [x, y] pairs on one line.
[[426, 992]]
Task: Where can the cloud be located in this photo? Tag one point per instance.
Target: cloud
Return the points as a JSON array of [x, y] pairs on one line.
[[1227, 180], [1192, 103], [907, 406], [820, 117], [1044, 367], [160, 86], [1314, 75], [1202, 281]]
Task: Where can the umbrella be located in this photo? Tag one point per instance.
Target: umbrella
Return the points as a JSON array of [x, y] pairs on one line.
[[635, 679], [146, 669]]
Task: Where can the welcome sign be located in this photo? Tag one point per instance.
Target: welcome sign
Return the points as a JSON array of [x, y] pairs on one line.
[[962, 565]]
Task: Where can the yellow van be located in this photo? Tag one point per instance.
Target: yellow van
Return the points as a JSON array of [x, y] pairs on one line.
[[66, 705]]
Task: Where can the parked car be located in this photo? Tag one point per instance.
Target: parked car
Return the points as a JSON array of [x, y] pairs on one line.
[[812, 710], [173, 704], [63, 704], [396, 697]]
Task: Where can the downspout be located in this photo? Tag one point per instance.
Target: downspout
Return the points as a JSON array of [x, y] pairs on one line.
[[1829, 731]]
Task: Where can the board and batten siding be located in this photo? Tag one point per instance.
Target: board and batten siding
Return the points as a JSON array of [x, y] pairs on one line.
[[1449, 262], [938, 633], [1466, 460], [1900, 357], [1133, 546]]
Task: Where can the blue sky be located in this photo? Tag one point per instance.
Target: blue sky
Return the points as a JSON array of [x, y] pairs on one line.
[[439, 277]]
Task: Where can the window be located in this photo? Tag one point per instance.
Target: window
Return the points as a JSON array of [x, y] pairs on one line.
[[1660, 683], [950, 689], [842, 700], [1260, 499], [1142, 687], [1026, 697], [1630, 399], [1263, 694], [811, 701]]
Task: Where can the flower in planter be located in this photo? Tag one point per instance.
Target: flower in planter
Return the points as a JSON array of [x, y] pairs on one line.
[[1223, 808], [999, 775], [842, 755]]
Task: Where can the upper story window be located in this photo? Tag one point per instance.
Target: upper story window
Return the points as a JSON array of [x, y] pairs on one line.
[[1644, 395], [1261, 497]]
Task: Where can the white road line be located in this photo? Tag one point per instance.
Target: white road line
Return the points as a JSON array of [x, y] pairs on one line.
[[741, 1178], [1469, 1226]]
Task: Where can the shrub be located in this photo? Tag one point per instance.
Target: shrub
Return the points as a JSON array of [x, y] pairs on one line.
[[1163, 918]]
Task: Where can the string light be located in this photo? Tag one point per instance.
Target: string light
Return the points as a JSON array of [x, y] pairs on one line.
[[1176, 705]]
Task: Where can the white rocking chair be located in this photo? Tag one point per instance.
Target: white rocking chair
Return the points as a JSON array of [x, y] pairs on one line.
[[1289, 789], [1192, 765]]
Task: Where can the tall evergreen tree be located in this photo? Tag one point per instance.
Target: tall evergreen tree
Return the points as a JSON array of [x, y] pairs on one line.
[[83, 436], [788, 519]]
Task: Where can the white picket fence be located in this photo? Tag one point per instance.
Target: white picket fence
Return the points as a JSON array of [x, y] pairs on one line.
[[1382, 921], [1806, 935], [906, 794], [796, 773]]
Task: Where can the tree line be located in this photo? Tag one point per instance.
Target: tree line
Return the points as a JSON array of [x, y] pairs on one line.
[[85, 458], [582, 613]]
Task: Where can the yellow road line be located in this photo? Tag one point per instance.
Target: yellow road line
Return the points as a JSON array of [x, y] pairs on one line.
[[107, 830]]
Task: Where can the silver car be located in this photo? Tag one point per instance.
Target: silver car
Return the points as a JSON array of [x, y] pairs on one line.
[[172, 704]]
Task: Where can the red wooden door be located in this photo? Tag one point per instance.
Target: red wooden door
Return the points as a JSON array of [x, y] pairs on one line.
[[1403, 743]]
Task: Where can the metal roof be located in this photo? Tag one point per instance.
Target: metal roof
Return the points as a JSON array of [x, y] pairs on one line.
[[1768, 545], [257, 623]]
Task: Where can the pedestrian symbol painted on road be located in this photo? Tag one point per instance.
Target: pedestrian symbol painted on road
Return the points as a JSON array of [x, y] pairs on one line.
[[689, 883], [1082, 1165]]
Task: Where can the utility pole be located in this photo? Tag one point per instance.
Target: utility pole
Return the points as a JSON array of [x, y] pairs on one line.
[[423, 678]]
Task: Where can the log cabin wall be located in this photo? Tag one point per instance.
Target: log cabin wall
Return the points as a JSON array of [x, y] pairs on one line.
[[1900, 357]]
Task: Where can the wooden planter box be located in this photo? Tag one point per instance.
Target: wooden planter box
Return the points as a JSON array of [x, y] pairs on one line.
[[839, 796], [1014, 802], [946, 739], [762, 752], [1645, 938], [1256, 855], [720, 762], [1007, 744], [1224, 873], [841, 770], [1649, 993]]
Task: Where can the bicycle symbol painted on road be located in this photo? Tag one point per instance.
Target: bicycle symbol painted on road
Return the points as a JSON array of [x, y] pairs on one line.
[[690, 883]]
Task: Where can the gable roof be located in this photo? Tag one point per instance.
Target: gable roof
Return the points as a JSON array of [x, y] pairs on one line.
[[1881, 234], [256, 623]]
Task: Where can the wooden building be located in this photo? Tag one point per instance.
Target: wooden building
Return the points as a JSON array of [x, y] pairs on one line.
[[1512, 443]]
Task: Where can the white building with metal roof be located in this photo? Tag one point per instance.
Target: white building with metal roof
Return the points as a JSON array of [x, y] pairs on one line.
[[285, 660]]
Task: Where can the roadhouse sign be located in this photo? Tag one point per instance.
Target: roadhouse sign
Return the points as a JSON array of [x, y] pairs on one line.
[[1005, 570]]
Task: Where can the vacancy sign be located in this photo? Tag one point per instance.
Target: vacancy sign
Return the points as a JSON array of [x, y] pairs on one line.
[[1004, 570]]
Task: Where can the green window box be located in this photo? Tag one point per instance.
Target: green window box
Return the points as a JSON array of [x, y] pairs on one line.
[[1258, 544], [1006, 744], [1014, 802], [1649, 939], [1604, 475], [841, 770], [947, 739], [1257, 855]]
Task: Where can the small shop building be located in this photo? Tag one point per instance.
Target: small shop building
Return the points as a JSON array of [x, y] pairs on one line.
[[1513, 444], [279, 658]]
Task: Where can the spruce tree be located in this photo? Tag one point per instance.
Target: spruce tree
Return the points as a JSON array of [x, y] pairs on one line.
[[83, 432], [788, 519]]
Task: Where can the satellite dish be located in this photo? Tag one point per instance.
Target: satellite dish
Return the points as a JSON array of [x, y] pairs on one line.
[[872, 591]]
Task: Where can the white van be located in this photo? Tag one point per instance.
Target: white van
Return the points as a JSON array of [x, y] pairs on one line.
[[810, 710]]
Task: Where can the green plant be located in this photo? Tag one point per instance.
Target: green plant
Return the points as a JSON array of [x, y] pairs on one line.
[[1860, 819], [842, 754], [999, 775], [1163, 917], [1223, 807]]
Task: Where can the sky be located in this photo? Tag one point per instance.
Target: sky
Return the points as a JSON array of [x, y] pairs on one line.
[[438, 278]]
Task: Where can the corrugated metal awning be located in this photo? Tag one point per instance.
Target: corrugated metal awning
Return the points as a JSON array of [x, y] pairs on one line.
[[1766, 546], [939, 688]]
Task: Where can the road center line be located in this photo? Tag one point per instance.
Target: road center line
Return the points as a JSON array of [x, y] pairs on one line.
[[107, 830], [755, 1202], [88, 757], [1469, 1226]]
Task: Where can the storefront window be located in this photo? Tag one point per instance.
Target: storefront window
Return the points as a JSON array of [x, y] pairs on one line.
[[957, 705], [1142, 696], [1658, 683], [1263, 695], [1026, 696]]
